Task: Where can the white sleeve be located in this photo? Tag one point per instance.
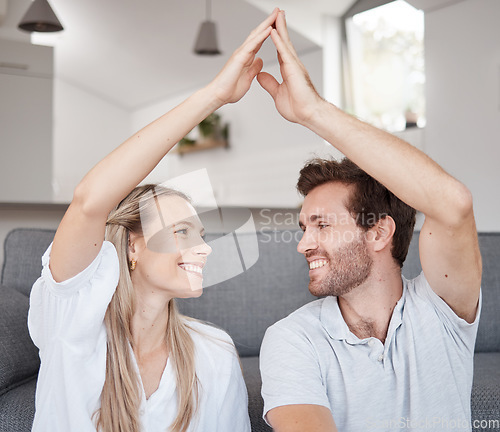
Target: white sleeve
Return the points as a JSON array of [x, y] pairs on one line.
[[233, 408], [72, 312], [290, 370]]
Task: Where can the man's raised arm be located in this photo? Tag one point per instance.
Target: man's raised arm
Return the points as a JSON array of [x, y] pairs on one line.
[[449, 250]]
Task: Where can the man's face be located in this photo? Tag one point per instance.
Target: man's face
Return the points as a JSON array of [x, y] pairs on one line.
[[334, 246]]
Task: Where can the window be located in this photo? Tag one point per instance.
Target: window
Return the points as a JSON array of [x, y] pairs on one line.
[[386, 58]]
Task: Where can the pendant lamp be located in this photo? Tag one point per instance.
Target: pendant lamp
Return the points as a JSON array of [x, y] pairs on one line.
[[40, 18], [206, 42]]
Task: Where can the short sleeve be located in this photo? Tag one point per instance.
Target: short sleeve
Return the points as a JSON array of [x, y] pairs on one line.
[[462, 332], [290, 369], [72, 312]]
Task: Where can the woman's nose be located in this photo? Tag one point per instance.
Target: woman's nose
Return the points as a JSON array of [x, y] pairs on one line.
[[203, 248]]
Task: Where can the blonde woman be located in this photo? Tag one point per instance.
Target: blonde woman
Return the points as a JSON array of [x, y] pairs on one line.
[[116, 356]]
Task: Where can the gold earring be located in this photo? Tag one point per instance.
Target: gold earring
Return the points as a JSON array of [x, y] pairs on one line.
[[132, 265]]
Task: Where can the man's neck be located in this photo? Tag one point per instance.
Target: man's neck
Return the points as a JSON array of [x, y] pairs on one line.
[[367, 309]]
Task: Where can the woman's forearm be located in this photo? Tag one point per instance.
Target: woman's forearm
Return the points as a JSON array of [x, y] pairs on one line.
[[108, 182]]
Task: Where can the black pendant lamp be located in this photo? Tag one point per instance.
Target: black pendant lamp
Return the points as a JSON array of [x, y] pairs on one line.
[[206, 42], [40, 18]]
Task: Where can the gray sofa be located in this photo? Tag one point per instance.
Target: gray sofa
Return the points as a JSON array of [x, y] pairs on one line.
[[244, 305]]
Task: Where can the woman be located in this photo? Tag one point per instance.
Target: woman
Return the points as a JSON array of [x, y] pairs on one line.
[[115, 354]]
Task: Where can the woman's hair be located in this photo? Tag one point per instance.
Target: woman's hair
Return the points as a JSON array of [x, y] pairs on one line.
[[121, 393]]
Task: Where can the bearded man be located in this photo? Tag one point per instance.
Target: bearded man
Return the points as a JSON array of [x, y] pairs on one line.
[[378, 352]]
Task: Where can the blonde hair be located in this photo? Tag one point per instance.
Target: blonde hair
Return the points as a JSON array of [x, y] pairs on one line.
[[121, 393]]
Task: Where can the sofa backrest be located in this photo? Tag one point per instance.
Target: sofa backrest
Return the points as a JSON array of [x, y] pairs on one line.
[[19, 361], [23, 250], [488, 335], [273, 287]]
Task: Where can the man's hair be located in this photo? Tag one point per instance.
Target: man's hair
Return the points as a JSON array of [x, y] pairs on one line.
[[369, 201]]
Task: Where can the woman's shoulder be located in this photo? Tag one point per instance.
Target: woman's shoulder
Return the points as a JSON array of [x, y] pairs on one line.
[[207, 331], [212, 340], [104, 269]]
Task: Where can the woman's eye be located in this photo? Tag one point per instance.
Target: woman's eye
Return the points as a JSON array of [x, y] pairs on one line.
[[321, 226], [183, 231]]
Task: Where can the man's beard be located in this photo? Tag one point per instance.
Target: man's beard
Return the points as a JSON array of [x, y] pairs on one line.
[[349, 267]]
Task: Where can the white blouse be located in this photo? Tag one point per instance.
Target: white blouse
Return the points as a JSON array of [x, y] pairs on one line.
[[66, 322]]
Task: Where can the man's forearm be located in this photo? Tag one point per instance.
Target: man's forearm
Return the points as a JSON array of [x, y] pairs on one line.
[[406, 171]]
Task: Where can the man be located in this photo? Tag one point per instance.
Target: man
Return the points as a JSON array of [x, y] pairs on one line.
[[379, 352]]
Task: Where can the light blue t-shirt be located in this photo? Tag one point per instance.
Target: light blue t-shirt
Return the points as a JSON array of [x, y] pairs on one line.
[[420, 379]]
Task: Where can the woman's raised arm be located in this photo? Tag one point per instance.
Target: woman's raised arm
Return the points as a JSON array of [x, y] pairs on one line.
[[81, 232]]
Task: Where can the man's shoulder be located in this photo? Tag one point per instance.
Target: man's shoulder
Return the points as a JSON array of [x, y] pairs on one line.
[[307, 316]]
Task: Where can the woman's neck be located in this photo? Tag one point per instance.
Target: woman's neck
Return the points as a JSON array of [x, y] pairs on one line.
[[149, 323]]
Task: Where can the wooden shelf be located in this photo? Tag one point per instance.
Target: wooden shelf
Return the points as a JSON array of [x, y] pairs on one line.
[[201, 145]]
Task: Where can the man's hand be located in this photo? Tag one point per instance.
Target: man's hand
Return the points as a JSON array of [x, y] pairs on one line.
[[296, 98]]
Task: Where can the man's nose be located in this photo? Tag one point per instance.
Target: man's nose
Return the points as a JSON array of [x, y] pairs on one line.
[[307, 242]]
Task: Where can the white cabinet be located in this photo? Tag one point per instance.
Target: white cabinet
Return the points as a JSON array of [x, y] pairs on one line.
[[26, 94]]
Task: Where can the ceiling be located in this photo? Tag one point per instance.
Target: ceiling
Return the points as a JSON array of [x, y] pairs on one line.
[[136, 52], [133, 53]]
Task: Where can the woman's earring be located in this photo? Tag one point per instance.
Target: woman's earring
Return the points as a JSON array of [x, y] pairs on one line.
[[132, 265]]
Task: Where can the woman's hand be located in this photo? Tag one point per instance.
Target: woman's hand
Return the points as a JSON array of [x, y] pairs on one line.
[[235, 78], [296, 98]]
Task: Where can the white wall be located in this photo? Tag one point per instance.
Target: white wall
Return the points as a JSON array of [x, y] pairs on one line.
[[8, 27], [86, 128], [266, 152], [462, 54], [26, 106]]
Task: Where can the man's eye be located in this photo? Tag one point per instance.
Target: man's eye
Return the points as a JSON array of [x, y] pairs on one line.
[[321, 226]]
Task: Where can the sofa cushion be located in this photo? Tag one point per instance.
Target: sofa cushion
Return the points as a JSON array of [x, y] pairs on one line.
[[23, 250], [19, 359], [251, 372], [485, 403], [17, 408]]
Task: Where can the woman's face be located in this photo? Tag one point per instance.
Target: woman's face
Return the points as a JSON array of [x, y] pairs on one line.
[[171, 253]]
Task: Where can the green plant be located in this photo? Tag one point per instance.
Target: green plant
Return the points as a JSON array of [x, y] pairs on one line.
[[187, 142], [210, 126]]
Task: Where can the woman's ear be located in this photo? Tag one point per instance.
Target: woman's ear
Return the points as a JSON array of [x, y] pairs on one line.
[[132, 242], [382, 232]]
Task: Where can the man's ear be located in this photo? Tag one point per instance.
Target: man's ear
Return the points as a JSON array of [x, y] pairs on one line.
[[380, 235]]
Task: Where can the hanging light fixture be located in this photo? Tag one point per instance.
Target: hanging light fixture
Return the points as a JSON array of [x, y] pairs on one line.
[[206, 42], [40, 18]]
